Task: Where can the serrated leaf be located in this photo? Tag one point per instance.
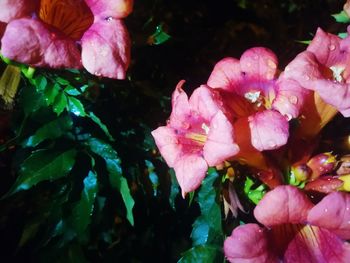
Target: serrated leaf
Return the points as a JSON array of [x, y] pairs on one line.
[[43, 165], [60, 103], [114, 169], [40, 83], [51, 130], [70, 90], [103, 127], [341, 17], [82, 211], [76, 107], [207, 229], [202, 253], [51, 93]]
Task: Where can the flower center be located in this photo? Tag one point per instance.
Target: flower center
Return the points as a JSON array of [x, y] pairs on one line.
[[337, 73], [258, 99], [71, 17], [199, 137]]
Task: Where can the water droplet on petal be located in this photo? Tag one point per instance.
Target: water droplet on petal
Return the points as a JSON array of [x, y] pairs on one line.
[[288, 116], [331, 47], [256, 57], [186, 125], [271, 144], [307, 77], [287, 68], [271, 64], [109, 18], [325, 210], [347, 209], [97, 73], [293, 99]]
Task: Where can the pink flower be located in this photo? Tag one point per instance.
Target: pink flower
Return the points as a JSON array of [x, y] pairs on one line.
[[253, 92], [295, 230], [324, 68], [68, 34], [197, 135]]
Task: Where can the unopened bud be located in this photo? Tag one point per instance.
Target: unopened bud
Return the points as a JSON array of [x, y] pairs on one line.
[[321, 164], [301, 172]]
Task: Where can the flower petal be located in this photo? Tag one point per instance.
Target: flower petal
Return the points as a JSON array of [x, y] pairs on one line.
[[248, 244], [314, 245], [335, 94], [110, 8], [284, 204], [190, 170], [30, 41], [333, 213], [325, 46], [226, 74], [167, 143], [13, 9], [290, 98], [205, 101], [106, 49], [259, 62], [181, 110], [269, 130], [220, 144]]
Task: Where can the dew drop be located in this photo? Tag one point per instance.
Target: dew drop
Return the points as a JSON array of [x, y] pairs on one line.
[[271, 64], [307, 77], [97, 73], [287, 69], [288, 116], [348, 208], [186, 125], [293, 99], [109, 19], [331, 47], [271, 144], [325, 210], [256, 57]]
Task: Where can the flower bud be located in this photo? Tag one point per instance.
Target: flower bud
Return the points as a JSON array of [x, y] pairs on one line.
[[301, 172], [321, 164], [325, 184]]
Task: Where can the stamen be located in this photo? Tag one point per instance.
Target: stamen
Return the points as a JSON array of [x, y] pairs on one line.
[[197, 137], [337, 73], [252, 96]]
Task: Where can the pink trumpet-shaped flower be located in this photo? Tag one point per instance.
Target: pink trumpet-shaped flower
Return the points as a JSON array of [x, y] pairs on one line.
[[295, 230], [198, 135], [68, 34], [252, 91], [324, 68]]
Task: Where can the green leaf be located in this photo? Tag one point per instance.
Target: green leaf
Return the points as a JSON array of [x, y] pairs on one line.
[[202, 253], [31, 100], [51, 93], [82, 211], [207, 229], [104, 128], [51, 130], [29, 232], [343, 35], [341, 17], [114, 169], [255, 195], [70, 90], [60, 103], [158, 37], [40, 83], [62, 81], [76, 107], [41, 166]]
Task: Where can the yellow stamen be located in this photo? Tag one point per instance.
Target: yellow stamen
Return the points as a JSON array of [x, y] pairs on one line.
[[72, 18], [200, 138]]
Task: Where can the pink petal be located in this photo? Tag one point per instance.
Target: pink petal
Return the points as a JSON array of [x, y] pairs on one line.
[[259, 62], [333, 213], [306, 61], [290, 98], [324, 184], [106, 49], [13, 9], [205, 101], [167, 143], [220, 144], [226, 74], [284, 204], [190, 170], [181, 110], [30, 41], [325, 46], [335, 94], [314, 245], [248, 244], [110, 8], [269, 130]]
